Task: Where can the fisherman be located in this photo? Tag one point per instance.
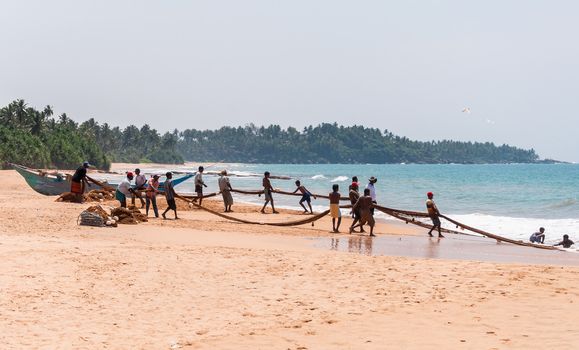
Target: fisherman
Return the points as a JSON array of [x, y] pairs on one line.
[[306, 196], [335, 208], [354, 181], [267, 192], [170, 196], [566, 242], [225, 188], [140, 184], [364, 206], [199, 184], [354, 195], [124, 189], [372, 189], [538, 237], [79, 182], [151, 194], [434, 214]]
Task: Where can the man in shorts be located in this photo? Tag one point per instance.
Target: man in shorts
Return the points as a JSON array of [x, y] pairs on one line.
[[434, 214], [170, 196], [306, 196], [267, 192], [335, 212], [364, 207]]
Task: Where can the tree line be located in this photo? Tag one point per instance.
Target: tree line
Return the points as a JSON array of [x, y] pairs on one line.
[[38, 139]]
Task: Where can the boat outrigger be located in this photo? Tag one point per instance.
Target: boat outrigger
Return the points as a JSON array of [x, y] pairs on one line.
[[55, 183]]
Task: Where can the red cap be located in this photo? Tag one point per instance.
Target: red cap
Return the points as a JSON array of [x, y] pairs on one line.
[[129, 174], [430, 194]]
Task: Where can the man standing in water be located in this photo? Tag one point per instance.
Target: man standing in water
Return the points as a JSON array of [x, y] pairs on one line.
[[267, 193], [538, 237], [434, 214], [170, 196]]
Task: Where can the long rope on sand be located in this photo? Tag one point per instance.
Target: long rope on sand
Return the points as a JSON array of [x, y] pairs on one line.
[[308, 220], [396, 213]]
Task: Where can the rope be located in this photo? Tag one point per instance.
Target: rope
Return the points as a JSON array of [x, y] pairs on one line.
[[396, 213], [311, 219]]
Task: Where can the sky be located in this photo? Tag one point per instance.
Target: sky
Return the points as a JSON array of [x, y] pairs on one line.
[[411, 67]]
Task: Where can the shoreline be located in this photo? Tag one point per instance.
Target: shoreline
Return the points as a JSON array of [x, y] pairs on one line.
[[205, 283]]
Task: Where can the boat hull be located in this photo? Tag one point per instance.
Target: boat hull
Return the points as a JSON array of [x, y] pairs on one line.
[[53, 185]]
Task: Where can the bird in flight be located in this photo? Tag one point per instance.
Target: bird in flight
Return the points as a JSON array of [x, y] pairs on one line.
[[466, 110]]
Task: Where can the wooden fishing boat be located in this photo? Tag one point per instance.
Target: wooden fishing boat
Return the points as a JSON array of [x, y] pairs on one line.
[[54, 184]]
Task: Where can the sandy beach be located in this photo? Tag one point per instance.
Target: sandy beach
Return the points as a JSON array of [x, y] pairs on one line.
[[206, 283]]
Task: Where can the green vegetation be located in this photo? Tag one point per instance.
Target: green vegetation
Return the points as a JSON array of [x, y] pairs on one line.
[[36, 139], [330, 143]]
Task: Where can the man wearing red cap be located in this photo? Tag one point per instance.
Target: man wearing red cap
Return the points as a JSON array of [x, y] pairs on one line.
[[433, 213]]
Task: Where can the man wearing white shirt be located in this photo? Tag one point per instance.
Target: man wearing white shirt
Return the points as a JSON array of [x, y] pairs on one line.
[[124, 189], [372, 189]]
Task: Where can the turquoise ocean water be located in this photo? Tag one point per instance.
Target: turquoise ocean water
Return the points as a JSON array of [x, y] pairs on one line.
[[509, 199]]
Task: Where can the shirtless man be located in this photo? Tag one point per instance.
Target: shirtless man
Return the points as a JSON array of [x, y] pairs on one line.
[[335, 208], [306, 197], [354, 195], [364, 206], [267, 192]]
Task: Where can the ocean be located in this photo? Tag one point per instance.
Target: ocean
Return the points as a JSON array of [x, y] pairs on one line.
[[512, 200]]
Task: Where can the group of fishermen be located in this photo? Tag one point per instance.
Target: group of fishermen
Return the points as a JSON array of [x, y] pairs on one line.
[[362, 211]]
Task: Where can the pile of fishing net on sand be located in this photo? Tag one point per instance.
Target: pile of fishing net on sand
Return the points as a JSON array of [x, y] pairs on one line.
[[98, 216], [99, 196], [130, 215], [91, 196]]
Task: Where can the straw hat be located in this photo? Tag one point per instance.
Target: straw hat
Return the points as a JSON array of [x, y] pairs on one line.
[[373, 179]]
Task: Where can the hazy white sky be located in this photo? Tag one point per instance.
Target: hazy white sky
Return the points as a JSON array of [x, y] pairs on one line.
[[408, 66]]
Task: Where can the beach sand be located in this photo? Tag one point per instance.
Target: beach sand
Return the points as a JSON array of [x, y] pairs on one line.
[[205, 283]]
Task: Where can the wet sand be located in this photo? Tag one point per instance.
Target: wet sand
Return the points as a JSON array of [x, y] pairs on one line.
[[451, 247], [206, 283]]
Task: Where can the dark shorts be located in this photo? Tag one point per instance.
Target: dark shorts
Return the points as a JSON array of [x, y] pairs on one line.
[[171, 204], [306, 198], [199, 189], [435, 220]]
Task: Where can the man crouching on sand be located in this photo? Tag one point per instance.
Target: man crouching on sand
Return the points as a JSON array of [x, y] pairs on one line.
[[364, 207]]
